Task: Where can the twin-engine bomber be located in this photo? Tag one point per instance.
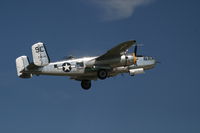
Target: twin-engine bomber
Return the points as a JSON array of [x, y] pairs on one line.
[[115, 61]]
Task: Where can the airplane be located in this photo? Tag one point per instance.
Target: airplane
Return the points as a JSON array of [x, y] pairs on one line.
[[115, 61]]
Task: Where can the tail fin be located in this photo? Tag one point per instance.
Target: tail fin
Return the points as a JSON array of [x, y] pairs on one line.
[[21, 64], [40, 56]]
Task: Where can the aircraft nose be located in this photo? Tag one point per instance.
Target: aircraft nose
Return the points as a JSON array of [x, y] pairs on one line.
[[153, 62]]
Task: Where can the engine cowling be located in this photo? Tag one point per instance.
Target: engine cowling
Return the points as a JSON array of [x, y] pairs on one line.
[[126, 60], [132, 72]]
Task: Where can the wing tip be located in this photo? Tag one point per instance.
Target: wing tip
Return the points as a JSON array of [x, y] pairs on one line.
[[130, 42], [133, 41]]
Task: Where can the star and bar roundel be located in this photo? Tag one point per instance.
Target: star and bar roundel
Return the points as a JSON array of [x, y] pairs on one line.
[[66, 67]]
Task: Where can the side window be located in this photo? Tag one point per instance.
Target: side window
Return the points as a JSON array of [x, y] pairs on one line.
[[79, 64], [55, 66]]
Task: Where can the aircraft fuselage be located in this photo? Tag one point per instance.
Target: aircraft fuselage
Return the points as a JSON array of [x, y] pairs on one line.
[[79, 67]]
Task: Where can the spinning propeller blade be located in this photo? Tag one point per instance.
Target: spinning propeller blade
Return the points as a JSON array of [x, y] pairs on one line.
[[135, 50], [135, 55]]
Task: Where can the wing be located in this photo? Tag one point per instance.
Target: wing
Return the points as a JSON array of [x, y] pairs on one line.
[[117, 50]]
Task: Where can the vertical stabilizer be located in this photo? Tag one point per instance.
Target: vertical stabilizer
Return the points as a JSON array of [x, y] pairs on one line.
[[21, 64], [40, 56]]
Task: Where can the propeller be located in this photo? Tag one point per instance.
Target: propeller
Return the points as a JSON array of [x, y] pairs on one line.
[[135, 55]]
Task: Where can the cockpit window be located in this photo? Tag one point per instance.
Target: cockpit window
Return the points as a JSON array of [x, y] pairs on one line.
[[148, 58], [79, 64], [145, 58]]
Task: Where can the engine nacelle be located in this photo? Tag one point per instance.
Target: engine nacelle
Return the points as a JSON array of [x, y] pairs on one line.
[[126, 60], [132, 72]]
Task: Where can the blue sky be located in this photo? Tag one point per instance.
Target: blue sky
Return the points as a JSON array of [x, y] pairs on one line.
[[164, 99]]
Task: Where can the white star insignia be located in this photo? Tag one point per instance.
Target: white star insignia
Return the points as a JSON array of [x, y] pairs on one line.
[[66, 67]]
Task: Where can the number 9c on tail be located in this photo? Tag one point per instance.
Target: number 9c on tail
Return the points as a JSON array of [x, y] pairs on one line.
[[40, 56]]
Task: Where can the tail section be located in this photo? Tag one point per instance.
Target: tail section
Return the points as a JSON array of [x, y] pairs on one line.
[[21, 64], [40, 56]]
